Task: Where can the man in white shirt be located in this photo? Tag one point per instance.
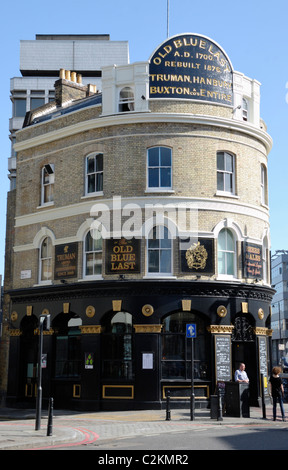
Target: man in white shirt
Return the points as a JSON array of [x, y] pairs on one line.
[[241, 375]]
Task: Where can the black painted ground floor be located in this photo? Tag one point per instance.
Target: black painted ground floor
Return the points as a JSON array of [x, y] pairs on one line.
[[123, 344]]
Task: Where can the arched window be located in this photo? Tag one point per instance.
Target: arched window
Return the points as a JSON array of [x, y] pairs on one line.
[[117, 347], [226, 253], [176, 348], [93, 253], [126, 100], [160, 250], [45, 260]]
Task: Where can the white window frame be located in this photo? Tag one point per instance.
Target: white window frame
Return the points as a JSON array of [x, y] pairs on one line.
[[85, 253], [225, 172], [264, 189], [96, 173], [159, 274], [47, 182], [159, 188], [226, 276], [42, 260], [126, 104]]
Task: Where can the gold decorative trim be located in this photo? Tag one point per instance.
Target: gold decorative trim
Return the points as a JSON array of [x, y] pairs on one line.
[[147, 310], [222, 311], [45, 332], [147, 328], [244, 306], [29, 309], [223, 329], [117, 305], [260, 331], [14, 316], [45, 311], [66, 307], [90, 311], [269, 332], [128, 397], [186, 305], [76, 391], [260, 313], [90, 329], [16, 332]]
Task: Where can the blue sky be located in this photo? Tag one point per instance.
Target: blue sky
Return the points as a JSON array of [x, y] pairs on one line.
[[252, 33]]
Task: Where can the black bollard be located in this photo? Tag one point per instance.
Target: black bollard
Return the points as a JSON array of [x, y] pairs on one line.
[[50, 418], [168, 413]]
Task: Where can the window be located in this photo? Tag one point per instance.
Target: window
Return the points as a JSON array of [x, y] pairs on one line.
[[93, 254], [126, 100], [176, 348], [94, 173], [36, 103], [160, 167], [226, 253], [19, 107], [117, 347], [264, 197], [45, 262], [47, 184], [68, 346], [225, 172], [244, 109], [160, 250]]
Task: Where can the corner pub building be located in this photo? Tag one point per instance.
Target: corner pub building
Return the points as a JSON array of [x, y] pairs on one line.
[[138, 210]]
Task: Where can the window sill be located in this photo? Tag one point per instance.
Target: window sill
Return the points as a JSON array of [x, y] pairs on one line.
[[160, 190], [45, 204], [97, 277], [96, 194], [43, 283], [226, 194], [159, 276]]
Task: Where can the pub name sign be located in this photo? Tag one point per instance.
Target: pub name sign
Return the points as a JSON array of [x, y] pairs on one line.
[[191, 67]]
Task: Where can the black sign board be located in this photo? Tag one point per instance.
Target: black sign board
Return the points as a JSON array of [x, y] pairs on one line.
[[122, 256], [66, 261], [197, 256], [223, 357], [262, 345], [191, 67], [252, 261]]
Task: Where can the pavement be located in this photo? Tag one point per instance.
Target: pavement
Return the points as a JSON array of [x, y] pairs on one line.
[[68, 428]]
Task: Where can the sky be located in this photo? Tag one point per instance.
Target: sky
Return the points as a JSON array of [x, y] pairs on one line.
[[251, 32]]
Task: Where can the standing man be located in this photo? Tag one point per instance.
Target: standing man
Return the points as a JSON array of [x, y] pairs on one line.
[[241, 375]]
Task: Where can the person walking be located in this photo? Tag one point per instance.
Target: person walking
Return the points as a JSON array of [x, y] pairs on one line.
[[277, 392]]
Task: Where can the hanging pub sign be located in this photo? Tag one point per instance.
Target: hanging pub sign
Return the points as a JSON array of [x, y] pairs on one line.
[[197, 256], [66, 258], [252, 261], [122, 256], [190, 66]]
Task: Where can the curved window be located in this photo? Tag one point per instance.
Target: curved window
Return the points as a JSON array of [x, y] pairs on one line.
[[68, 345], [159, 167], [225, 172], [126, 100], [117, 347], [93, 254], [176, 348], [45, 261], [94, 173], [226, 253], [160, 250]]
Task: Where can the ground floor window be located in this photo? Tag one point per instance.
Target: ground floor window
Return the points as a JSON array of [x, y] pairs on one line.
[[117, 347], [68, 348], [176, 348]]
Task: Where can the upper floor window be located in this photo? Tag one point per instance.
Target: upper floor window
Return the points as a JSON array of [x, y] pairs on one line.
[[93, 254], [94, 173], [126, 100], [159, 168], [244, 109], [226, 253], [160, 251], [225, 172], [19, 107], [264, 193], [45, 261], [47, 184]]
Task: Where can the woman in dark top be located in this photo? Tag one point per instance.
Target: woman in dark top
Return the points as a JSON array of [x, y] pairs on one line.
[[277, 391]]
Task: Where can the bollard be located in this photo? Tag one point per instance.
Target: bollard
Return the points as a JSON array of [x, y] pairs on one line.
[[50, 417], [219, 416], [168, 413]]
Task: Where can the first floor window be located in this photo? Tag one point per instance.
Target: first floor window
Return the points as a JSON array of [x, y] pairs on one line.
[[225, 172], [93, 253], [226, 253], [94, 173], [45, 267], [159, 167], [47, 184], [160, 250]]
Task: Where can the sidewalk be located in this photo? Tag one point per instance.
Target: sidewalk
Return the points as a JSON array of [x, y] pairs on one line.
[[17, 427]]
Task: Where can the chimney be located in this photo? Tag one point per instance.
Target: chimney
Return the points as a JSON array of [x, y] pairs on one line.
[[69, 87]]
